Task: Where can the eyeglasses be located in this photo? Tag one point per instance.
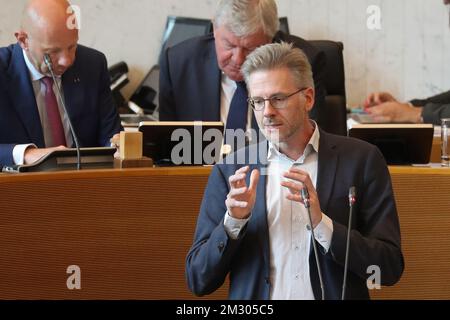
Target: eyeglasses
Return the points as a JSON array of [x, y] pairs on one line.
[[278, 101]]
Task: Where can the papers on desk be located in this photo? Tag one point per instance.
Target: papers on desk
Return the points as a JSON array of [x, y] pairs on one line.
[[427, 165], [355, 120], [358, 116], [133, 120]]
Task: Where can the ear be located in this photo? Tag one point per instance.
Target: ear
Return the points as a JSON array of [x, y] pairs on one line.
[[22, 39], [310, 98]]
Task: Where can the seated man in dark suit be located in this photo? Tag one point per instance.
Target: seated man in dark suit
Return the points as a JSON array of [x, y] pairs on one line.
[[32, 121], [200, 79], [385, 108], [253, 224]]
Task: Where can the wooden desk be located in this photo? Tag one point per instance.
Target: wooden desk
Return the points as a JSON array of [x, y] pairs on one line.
[[436, 150], [129, 232], [423, 204]]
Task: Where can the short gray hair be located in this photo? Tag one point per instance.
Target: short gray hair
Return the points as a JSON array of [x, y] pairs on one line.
[[245, 17], [280, 55]]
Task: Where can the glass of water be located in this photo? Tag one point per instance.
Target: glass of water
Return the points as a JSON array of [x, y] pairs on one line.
[[445, 142]]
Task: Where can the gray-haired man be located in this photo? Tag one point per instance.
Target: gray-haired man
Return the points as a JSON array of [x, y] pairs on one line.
[[200, 79], [254, 227]]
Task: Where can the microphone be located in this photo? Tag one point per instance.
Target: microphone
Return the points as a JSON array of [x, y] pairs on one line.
[[305, 195], [49, 64], [351, 202]]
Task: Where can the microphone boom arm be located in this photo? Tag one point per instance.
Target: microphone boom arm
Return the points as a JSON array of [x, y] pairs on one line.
[[351, 201], [305, 196], [49, 65]]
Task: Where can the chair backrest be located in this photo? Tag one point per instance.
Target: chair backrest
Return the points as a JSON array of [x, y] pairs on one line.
[[336, 102], [284, 25], [179, 29]]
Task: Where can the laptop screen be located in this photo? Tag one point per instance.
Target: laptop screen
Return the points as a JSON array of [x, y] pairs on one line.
[[399, 143], [182, 143]]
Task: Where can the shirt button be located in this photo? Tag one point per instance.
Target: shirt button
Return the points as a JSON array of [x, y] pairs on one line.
[[296, 277]]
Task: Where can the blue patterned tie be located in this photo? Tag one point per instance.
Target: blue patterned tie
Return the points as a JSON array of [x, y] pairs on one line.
[[237, 115]]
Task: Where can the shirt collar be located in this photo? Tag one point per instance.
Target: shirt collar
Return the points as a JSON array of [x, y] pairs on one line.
[[227, 81], [312, 145], [34, 73]]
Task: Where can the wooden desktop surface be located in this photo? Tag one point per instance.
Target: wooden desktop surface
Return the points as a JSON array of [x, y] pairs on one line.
[[129, 232]]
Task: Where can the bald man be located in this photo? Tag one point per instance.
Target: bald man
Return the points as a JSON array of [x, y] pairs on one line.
[[32, 120]]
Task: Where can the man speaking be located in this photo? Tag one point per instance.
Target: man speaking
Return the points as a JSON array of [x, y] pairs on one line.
[[278, 224]]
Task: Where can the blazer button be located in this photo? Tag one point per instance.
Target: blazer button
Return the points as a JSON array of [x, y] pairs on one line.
[[221, 246]]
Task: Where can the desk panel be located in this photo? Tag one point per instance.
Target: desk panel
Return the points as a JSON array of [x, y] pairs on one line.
[[423, 203], [129, 232]]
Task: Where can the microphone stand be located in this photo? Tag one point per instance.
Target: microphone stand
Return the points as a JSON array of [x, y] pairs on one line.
[[49, 64], [305, 196], [351, 201]]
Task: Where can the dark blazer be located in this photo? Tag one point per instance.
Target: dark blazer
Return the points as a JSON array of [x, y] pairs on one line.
[[375, 235], [86, 91], [190, 79], [434, 108]]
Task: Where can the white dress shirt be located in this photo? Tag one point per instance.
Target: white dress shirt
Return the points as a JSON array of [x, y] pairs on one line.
[[39, 93], [289, 239]]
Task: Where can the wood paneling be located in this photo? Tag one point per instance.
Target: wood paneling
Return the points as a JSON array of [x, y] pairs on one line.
[[423, 203], [129, 232]]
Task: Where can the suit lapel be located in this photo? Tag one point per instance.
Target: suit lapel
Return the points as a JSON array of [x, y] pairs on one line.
[[326, 172], [22, 94], [211, 85], [73, 92], [260, 209]]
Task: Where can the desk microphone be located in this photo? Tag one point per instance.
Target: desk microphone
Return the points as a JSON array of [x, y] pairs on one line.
[[305, 196], [351, 202], [49, 65]]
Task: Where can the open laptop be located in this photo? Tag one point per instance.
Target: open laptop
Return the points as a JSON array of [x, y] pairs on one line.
[[66, 159], [182, 142], [399, 143]]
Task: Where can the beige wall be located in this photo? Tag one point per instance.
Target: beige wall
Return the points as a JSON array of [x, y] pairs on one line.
[[410, 55]]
